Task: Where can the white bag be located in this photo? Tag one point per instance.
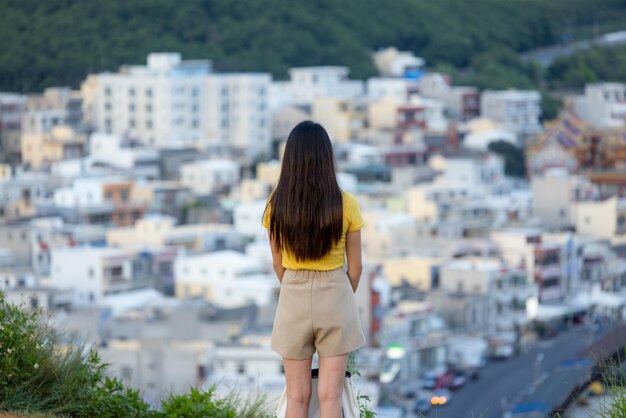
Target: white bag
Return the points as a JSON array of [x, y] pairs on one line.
[[349, 401]]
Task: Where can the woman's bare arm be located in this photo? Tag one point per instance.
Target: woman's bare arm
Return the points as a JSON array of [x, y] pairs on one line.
[[353, 254], [277, 261]]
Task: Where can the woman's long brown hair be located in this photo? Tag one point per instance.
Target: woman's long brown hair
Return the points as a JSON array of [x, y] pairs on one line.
[[306, 207]]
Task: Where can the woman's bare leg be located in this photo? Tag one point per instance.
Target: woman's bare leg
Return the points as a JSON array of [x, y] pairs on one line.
[[330, 385], [298, 377]]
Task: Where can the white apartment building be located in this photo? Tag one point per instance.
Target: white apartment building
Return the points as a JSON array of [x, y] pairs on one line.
[[516, 110], [603, 105], [555, 197], [225, 278], [392, 88], [473, 171], [524, 248], [114, 151], [90, 272], [309, 83], [83, 192], [503, 293], [210, 176], [247, 218], [604, 219], [172, 103]]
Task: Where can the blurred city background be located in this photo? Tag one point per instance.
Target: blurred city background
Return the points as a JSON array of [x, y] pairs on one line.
[[484, 141]]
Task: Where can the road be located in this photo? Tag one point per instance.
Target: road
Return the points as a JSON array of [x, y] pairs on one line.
[[545, 56], [502, 383]]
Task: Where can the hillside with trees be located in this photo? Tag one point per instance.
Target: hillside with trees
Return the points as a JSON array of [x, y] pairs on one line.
[[57, 42]]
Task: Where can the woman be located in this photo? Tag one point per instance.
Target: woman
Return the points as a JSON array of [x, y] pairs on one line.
[[313, 227]]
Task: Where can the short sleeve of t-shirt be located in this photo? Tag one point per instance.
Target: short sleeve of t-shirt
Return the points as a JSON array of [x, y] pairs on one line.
[[266, 217], [353, 213]]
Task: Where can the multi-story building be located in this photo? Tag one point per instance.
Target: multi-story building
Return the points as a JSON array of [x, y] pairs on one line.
[[523, 248], [41, 149], [21, 194], [516, 110], [309, 83], [420, 272], [11, 108], [225, 278], [391, 88], [164, 197], [91, 273], [124, 156], [462, 102], [557, 196], [106, 201], [173, 103], [388, 234], [484, 296], [210, 176], [414, 340], [343, 119], [603, 105], [605, 219], [55, 106]]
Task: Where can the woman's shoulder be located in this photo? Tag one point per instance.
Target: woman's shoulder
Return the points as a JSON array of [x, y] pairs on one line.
[[348, 199]]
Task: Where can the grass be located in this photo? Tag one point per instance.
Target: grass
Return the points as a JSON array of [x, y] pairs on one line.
[[40, 377]]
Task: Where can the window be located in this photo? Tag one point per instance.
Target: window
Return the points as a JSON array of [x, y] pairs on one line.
[[195, 123], [131, 107], [131, 91], [107, 91], [149, 92], [149, 108], [90, 272], [149, 124], [107, 106], [241, 368], [131, 124]]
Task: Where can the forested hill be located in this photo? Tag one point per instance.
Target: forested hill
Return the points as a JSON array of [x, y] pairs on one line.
[[57, 42]]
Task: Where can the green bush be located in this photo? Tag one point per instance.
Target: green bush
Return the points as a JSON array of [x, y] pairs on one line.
[[40, 376]]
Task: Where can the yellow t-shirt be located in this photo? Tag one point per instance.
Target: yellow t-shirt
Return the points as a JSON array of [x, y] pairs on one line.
[[352, 221]]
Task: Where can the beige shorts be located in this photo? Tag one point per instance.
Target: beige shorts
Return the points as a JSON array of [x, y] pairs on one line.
[[316, 311]]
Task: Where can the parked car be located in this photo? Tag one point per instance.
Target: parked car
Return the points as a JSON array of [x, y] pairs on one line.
[[422, 406], [458, 380]]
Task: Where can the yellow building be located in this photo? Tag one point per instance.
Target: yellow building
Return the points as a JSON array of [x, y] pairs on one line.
[[343, 119], [42, 149], [383, 113], [268, 172], [417, 271]]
